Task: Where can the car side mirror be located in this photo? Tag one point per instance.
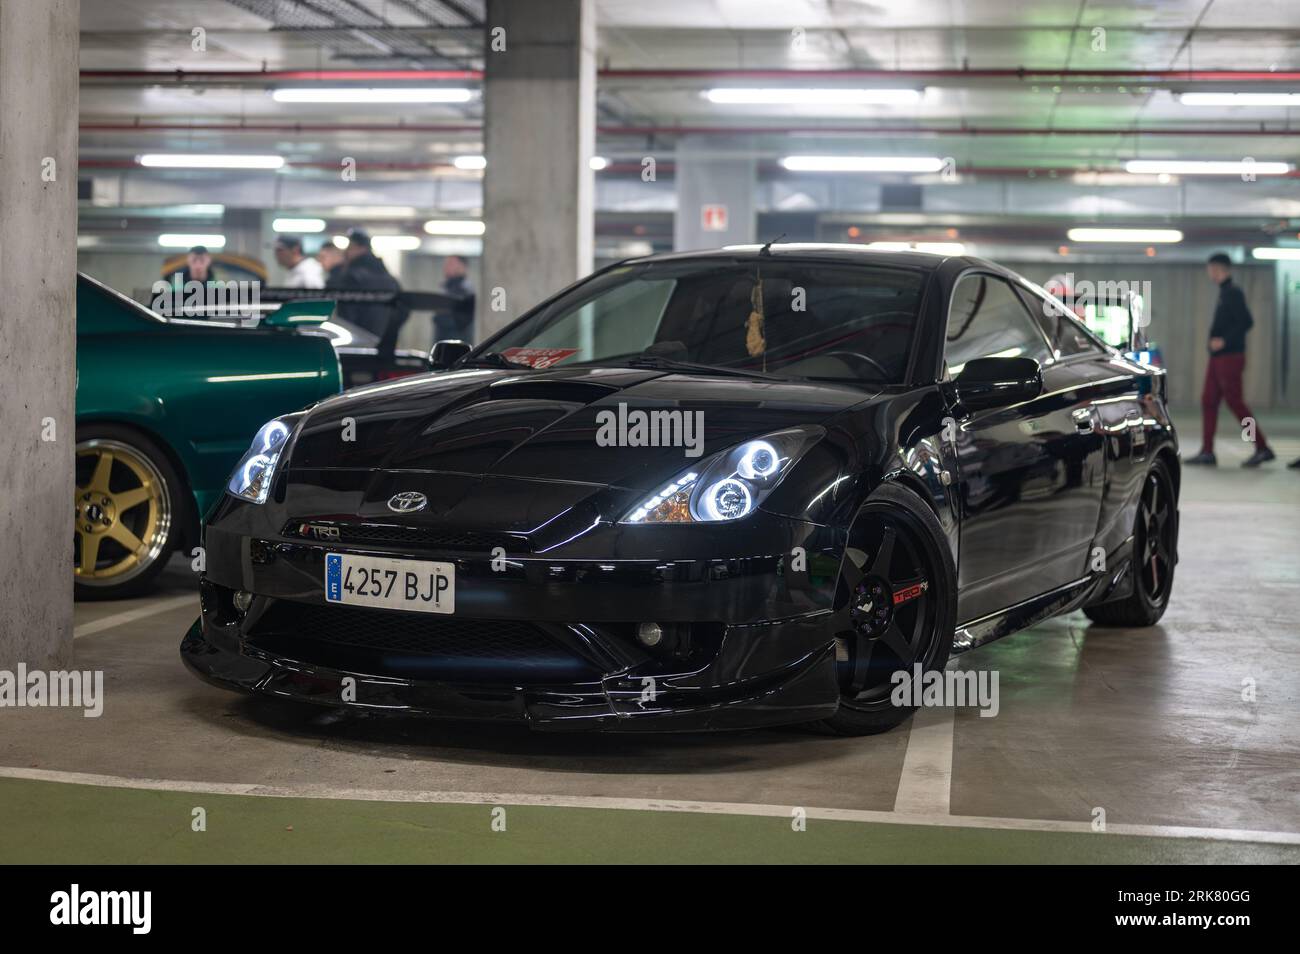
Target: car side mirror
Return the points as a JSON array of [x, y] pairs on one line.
[[447, 352], [998, 382]]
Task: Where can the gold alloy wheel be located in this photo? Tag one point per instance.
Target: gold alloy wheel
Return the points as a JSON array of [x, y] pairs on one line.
[[123, 509]]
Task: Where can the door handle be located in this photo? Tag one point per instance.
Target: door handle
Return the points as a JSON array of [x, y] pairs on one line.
[[1082, 419]]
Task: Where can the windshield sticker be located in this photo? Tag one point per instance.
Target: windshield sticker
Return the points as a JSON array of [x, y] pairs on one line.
[[538, 357]]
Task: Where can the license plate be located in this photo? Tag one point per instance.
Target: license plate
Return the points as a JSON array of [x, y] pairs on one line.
[[417, 586]]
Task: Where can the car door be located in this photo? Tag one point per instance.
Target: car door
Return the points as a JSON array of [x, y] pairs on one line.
[[1030, 475], [1082, 364]]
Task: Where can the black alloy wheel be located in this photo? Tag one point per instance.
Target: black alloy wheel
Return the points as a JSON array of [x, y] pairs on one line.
[[1155, 554], [894, 608]]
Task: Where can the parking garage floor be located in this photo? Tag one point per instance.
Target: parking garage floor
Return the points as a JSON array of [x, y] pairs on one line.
[[1173, 744]]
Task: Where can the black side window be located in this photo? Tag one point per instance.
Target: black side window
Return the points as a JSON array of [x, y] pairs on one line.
[[1063, 332], [986, 318]]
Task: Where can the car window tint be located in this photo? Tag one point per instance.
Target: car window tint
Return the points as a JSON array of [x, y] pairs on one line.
[[818, 320], [815, 319], [986, 319], [621, 321], [1065, 335]]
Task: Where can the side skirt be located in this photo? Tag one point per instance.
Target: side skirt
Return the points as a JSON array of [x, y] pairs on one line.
[[1100, 587], [1063, 599]]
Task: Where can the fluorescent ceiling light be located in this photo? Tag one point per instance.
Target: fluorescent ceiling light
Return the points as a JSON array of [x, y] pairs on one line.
[[339, 241], [862, 164], [190, 160], [298, 225], [454, 245], [357, 94], [1273, 254], [470, 162], [190, 239], [1139, 236], [1239, 99], [803, 96], [453, 227], [1191, 167], [598, 162], [375, 211], [394, 243], [1092, 178]]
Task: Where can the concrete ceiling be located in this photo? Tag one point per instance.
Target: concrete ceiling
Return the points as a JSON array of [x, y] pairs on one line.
[[1012, 92]]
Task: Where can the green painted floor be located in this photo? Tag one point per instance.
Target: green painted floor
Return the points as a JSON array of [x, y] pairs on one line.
[[51, 822]]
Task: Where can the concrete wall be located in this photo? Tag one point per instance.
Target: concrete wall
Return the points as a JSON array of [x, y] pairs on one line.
[[38, 242]]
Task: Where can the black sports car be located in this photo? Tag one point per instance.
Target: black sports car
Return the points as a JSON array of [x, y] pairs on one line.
[[699, 491]]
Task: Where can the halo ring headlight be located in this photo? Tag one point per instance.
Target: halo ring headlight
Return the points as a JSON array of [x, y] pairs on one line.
[[758, 460], [728, 499]]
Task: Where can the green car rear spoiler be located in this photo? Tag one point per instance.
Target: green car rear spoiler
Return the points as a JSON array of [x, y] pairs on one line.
[[307, 311]]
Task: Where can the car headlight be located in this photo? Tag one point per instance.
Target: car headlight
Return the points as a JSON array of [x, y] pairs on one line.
[[727, 486], [251, 479]]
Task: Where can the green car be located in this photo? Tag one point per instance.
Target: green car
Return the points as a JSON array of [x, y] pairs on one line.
[[165, 408]]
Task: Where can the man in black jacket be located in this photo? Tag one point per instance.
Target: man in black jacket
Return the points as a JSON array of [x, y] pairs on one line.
[[456, 321], [366, 272], [1227, 363]]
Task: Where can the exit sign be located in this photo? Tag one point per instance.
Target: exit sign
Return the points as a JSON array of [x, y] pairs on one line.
[[714, 218]]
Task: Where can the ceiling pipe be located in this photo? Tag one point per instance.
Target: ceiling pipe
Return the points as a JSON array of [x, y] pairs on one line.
[[1032, 173], [303, 76], [282, 127], [1155, 76], [642, 75], [711, 130]]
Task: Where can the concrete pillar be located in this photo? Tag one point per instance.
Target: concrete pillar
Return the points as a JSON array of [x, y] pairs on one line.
[[248, 233], [539, 111], [38, 262], [716, 188]]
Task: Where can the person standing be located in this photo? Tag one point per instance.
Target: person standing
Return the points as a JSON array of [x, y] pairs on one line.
[[330, 257], [365, 271], [1227, 363], [198, 266], [455, 322], [303, 272]]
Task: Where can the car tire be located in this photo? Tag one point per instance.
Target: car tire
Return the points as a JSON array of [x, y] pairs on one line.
[[1155, 541], [933, 611], [127, 489]]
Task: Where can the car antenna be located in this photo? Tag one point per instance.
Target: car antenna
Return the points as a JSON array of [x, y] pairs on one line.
[[767, 249]]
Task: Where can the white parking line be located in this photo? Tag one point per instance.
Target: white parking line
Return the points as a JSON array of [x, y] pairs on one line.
[[130, 616], [646, 805], [925, 783]]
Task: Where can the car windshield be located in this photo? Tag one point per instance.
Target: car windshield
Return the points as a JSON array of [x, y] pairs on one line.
[[789, 318]]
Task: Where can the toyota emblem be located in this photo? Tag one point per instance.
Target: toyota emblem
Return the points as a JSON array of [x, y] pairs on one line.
[[407, 502]]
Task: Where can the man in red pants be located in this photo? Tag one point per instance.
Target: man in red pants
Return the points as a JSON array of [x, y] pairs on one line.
[[1227, 362]]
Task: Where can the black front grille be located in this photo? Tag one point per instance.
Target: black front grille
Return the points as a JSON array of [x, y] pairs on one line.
[[424, 538], [434, 645]]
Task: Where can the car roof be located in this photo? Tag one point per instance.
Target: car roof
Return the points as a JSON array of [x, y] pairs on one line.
[[827, 251]]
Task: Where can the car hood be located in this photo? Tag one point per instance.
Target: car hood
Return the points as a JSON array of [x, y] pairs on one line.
[[553, 425]]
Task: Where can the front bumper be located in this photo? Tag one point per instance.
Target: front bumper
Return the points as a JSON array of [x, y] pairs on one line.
[[752, 646], [802, 692]]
